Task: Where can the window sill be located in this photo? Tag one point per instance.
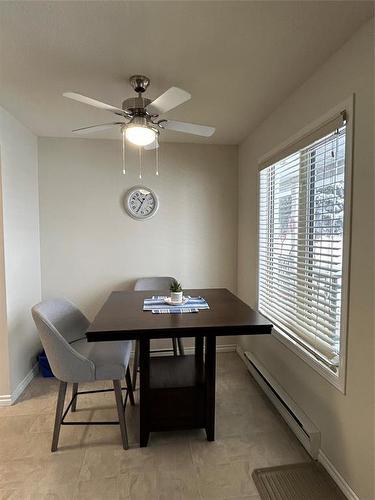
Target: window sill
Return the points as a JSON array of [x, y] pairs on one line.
[[337, 381]]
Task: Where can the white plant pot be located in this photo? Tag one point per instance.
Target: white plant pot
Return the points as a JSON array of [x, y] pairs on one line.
[[176, 297]]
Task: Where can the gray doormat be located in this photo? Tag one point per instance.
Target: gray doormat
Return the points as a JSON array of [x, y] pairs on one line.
[[306, 481]]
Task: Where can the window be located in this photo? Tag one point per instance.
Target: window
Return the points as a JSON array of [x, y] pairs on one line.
[[302, 241]]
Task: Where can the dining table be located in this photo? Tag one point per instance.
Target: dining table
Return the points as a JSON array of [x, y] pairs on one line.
[[176, 392]]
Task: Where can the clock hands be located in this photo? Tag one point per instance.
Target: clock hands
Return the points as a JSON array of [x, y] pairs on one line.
[[140, 206]]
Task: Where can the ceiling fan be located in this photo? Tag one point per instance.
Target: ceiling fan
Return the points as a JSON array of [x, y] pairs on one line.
[[140, 116]]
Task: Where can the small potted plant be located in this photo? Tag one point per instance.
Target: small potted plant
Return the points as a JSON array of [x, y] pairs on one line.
[[176, 291]]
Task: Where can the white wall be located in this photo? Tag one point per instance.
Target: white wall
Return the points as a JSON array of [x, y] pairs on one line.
[[346, 421], [21, 246], [90, 246]]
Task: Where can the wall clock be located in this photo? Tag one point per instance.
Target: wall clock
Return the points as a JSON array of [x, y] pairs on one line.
[[141, 202]]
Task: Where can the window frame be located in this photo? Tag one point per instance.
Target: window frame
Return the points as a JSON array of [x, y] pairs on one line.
[[337, 380]]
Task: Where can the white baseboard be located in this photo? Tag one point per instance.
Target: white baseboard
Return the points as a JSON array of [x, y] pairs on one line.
[[5, 400], [336, 476], [9, 399]]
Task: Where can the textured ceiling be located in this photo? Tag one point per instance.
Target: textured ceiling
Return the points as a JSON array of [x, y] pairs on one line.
[[239, 60]]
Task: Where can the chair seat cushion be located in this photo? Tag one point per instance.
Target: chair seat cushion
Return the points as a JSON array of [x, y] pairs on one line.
[[111, 359]]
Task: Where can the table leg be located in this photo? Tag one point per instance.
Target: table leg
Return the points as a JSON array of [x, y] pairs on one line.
[[144, 363], [199, 358], [210, 372]]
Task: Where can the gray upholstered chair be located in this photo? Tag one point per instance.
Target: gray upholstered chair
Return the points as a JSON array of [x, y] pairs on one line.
[[162, 284], [62, 329]]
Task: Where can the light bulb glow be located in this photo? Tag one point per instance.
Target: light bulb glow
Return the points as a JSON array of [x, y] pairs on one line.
[[139, 135]]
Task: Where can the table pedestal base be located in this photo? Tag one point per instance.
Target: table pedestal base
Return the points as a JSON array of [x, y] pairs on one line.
[[178, 393]]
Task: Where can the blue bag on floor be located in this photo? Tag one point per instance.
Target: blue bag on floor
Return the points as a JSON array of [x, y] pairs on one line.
[[44, 367]]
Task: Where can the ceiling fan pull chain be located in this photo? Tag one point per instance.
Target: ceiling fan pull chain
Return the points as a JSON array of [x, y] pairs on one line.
[[123, 153], [157, 161], [140, 161]]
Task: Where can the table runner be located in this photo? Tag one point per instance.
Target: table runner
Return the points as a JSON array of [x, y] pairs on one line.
[[157, 305]]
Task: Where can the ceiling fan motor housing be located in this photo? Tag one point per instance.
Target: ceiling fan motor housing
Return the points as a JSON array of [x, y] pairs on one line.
[[136, 105]]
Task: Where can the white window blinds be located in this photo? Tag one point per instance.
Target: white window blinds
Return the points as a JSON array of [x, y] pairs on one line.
[[301, 232]]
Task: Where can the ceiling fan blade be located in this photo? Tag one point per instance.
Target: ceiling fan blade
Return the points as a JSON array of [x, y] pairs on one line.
[[188, 128], [172, 98], [96, 128], [94, 102], [153, 145]]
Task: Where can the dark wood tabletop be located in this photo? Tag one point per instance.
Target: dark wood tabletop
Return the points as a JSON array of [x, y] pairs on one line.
[[122, 318]]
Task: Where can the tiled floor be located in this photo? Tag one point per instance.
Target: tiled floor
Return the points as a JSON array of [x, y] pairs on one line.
[[91, 464]]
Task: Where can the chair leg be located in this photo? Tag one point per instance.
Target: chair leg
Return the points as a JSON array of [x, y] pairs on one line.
[[135, 365], [174, 342], [129, 386], [74, 393], [58, 416], [181, 346], [121, 413]]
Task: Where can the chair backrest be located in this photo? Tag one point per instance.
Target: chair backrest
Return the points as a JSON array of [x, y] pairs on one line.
[[59, 322], [153, 283]]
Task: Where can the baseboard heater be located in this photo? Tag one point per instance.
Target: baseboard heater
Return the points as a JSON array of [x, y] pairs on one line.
[[307, 433]]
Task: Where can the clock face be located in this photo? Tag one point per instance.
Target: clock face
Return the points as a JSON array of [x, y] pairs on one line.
[[141, 203]]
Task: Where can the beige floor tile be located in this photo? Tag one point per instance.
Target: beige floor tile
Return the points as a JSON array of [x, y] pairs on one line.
[[242, 399], [213, 453], [72, 438], [63, 467], [16, 425], [173, 456], [42, 423], [99, 400], [247, 497], [13, 494], [27, 405], [100, 462], [136, 459], [40, 492], [97, 489], [20, 473], [260, 449], [109, 435], [232, 381], [246, 417], [91, 463], [180, 484], [220, 482], [41, 387], [53, 492], [138, 485], [28, 446], [228, 362]]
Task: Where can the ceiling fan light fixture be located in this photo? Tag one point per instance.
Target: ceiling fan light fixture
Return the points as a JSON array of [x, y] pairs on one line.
[[139, 133]]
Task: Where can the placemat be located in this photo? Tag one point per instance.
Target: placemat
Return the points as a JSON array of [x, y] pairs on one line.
[[157, 305]]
